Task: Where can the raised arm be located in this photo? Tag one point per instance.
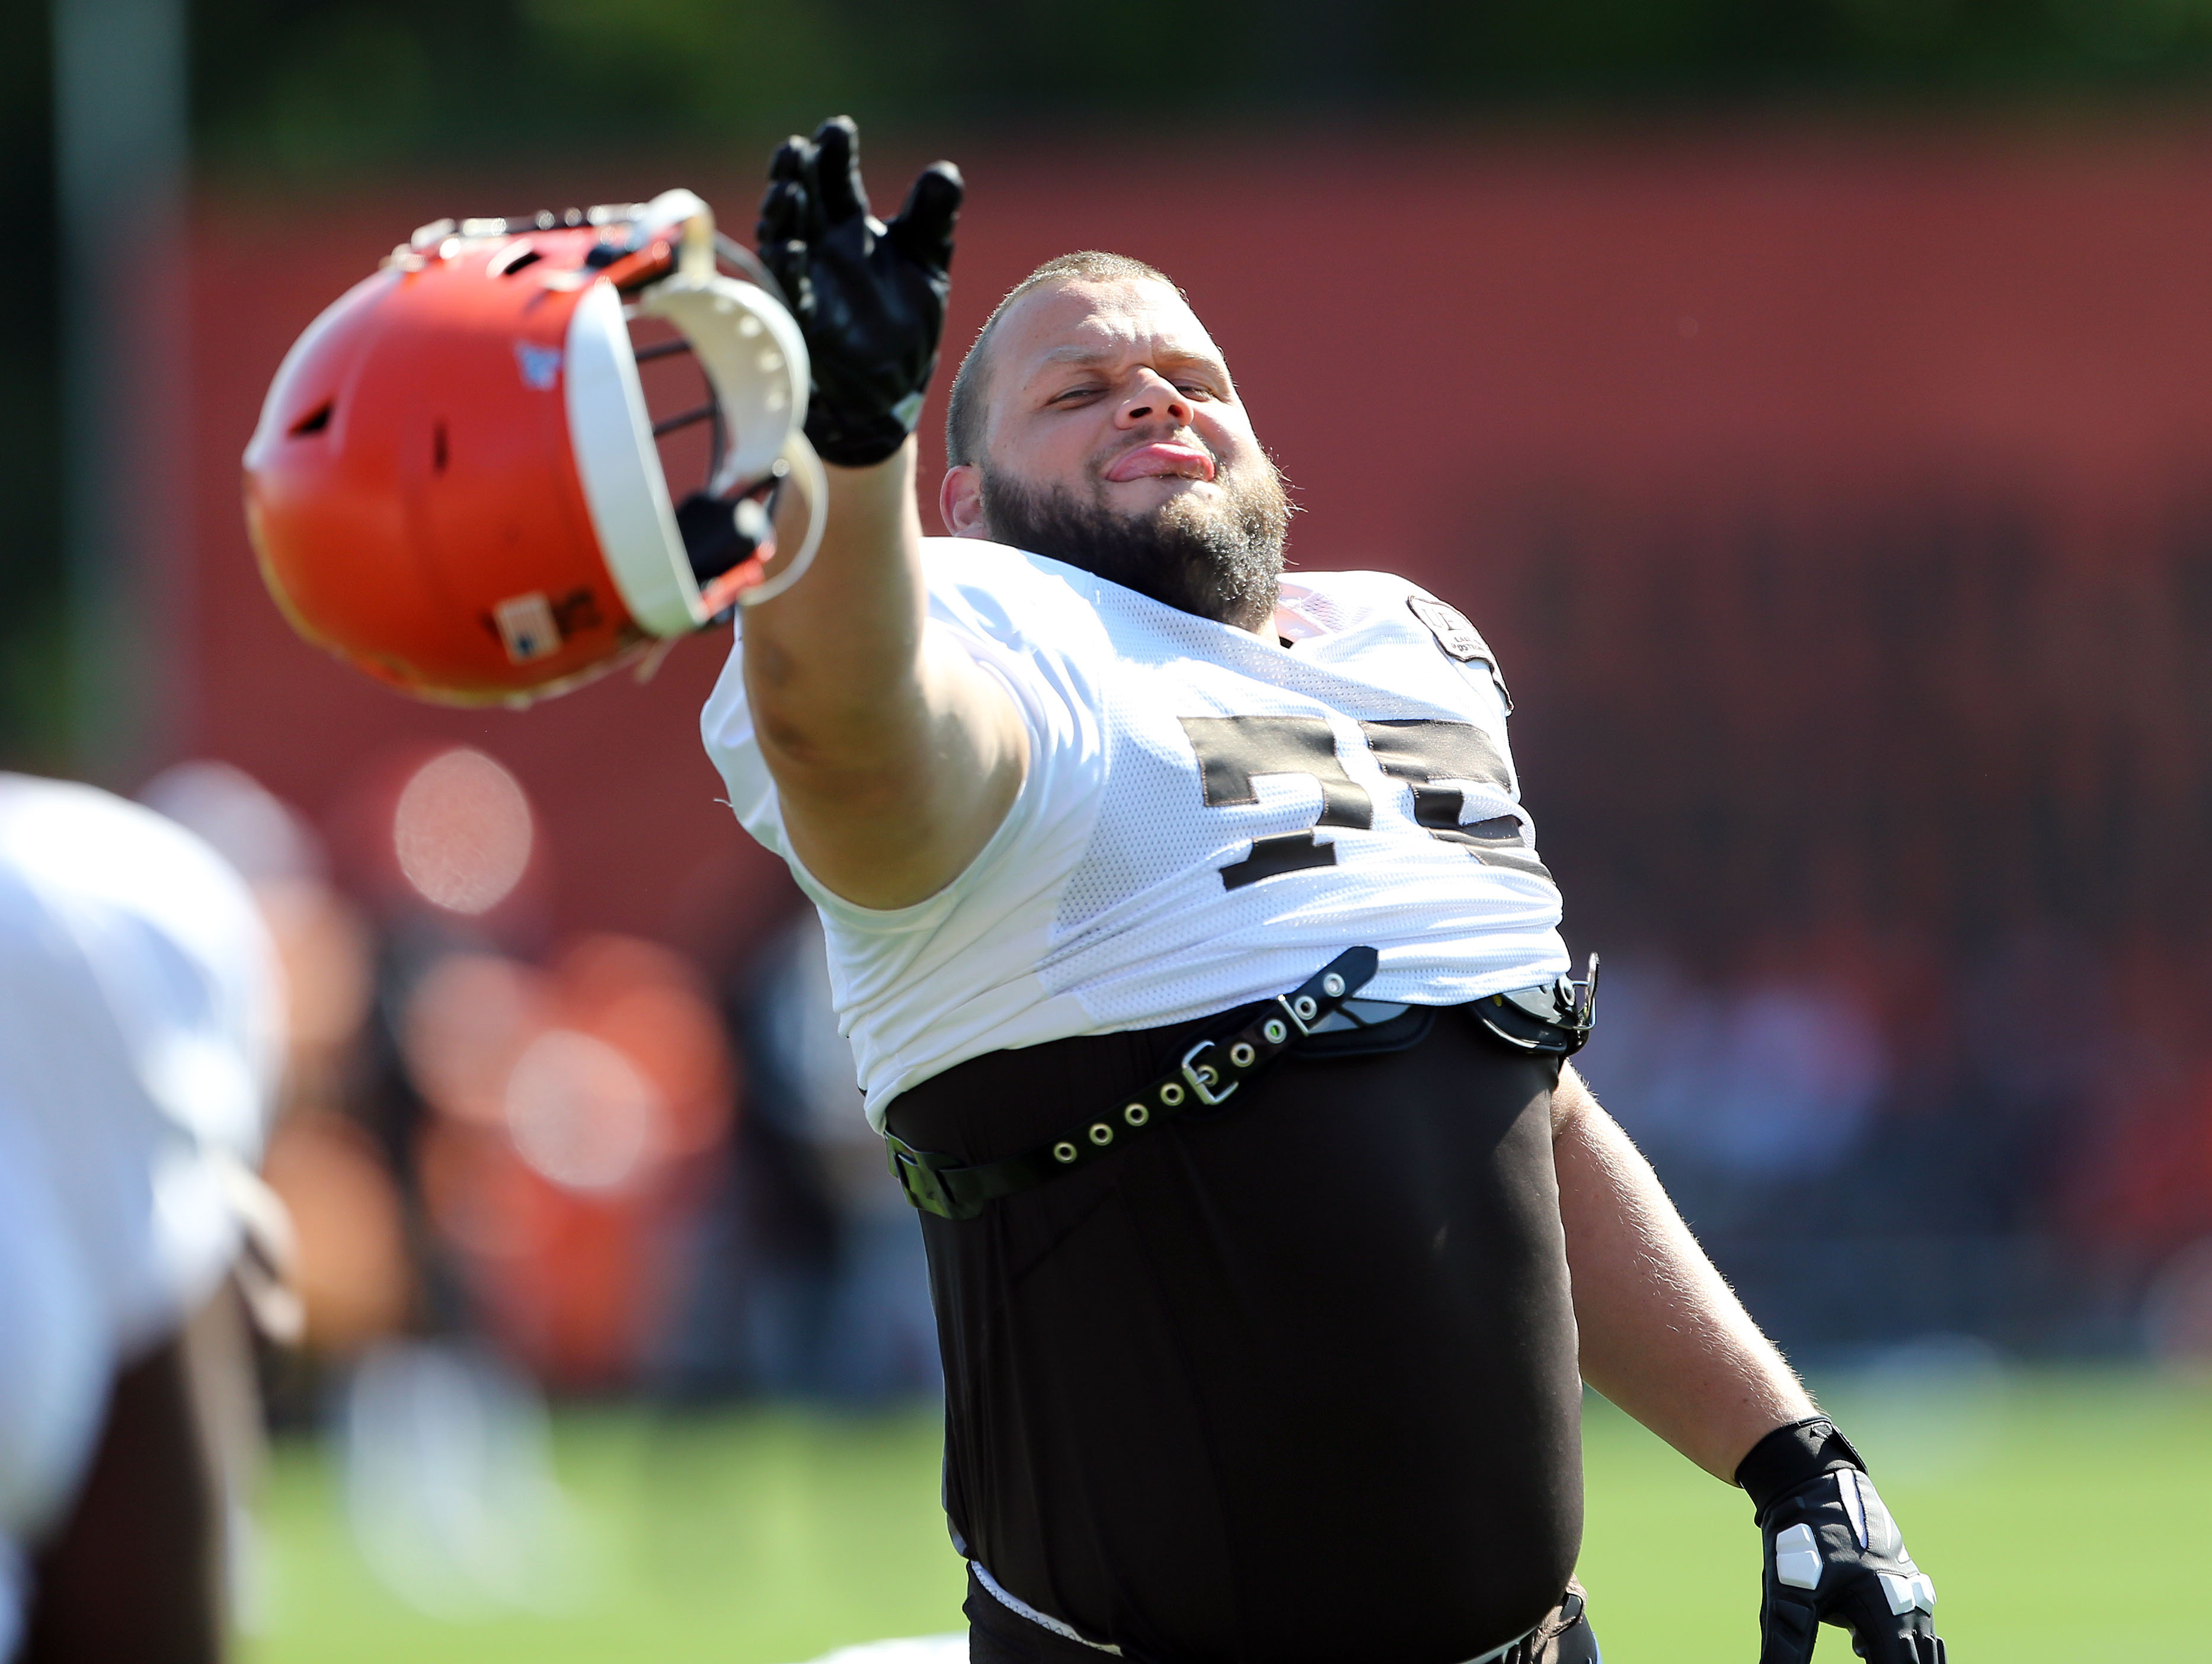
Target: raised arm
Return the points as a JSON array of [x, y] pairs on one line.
[[894, 757]]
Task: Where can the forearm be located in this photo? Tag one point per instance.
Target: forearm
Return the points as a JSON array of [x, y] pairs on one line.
[[896, 755], [896, 758], [833, 663], [1662, 1335]]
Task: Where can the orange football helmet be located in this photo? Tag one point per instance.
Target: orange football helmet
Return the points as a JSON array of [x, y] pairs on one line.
[[458, 486]]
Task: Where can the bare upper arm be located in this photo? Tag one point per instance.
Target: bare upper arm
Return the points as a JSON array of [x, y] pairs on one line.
[[1571, 1100], [894, 756], [888, 826]]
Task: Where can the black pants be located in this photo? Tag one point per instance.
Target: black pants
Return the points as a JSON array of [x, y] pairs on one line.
[[997, 1636], [1292, 1383]]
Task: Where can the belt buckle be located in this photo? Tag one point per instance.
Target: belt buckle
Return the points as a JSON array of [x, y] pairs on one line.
[[1584, 1008], [916, 1172], [1201, 1078]]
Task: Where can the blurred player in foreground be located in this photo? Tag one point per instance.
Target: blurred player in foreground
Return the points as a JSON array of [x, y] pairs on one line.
[[141, 1033], [1201, 972]]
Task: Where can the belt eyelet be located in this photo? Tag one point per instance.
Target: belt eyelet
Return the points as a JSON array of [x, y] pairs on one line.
[[1171, 1094], [1101, 1133], [1275, 1033], [1136, 1114], [1064, 1152], [1242, 1054]]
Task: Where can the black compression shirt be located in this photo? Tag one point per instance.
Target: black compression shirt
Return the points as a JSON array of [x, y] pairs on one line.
[[1263, 1376]]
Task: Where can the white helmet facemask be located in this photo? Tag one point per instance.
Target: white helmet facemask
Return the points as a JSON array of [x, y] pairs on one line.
[[755, 362]]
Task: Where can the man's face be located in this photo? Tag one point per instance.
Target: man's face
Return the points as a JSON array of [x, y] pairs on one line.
[[1115, 440]]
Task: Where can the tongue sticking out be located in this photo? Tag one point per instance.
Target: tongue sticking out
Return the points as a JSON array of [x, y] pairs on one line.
[[1168, 460]]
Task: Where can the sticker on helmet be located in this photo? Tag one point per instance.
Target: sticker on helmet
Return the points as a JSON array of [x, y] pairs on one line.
[[541, 366], [527, 629]]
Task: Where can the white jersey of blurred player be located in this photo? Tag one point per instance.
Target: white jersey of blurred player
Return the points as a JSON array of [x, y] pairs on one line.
[[141, 1032]]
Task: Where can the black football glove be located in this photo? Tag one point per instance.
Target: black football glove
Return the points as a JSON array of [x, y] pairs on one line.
[[869, 297], [1833, 1555]]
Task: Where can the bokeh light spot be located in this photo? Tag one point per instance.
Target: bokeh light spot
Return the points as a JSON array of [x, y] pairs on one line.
[[462, 831], [581, 1113], [465, 1023]]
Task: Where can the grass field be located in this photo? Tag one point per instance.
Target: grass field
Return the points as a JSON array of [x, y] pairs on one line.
[[2062, 1515]]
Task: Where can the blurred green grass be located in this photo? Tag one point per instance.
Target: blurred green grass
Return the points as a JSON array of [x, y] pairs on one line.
[[2049, 1506]]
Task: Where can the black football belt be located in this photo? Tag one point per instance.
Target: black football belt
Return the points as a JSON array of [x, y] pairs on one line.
[[1549, 1019], [1552, 1019]]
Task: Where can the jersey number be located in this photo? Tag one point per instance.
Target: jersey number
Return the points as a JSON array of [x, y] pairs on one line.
[[1234, 750]]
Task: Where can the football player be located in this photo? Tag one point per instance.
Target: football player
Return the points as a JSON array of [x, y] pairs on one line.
[[140, 1031], [1206, 982]]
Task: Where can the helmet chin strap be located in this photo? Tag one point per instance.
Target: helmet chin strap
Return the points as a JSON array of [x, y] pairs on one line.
[[814, 485], [755, 360]]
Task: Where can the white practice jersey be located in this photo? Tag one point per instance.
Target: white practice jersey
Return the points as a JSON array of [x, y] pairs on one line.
[[140, 1026], [1207, 819]]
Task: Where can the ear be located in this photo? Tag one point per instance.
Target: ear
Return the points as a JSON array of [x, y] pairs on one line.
[[960, 501]]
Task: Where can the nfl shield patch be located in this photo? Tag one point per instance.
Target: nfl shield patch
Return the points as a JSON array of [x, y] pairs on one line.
[[1459, 638]]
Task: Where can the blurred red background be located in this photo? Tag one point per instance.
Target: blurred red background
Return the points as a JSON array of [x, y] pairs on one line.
[[1838, 498], [1440, 339]]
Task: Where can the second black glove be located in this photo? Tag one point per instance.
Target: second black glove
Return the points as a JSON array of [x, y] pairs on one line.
[[1834, 1554]]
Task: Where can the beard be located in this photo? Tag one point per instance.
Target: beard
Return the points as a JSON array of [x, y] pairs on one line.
[[1221, 559]]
